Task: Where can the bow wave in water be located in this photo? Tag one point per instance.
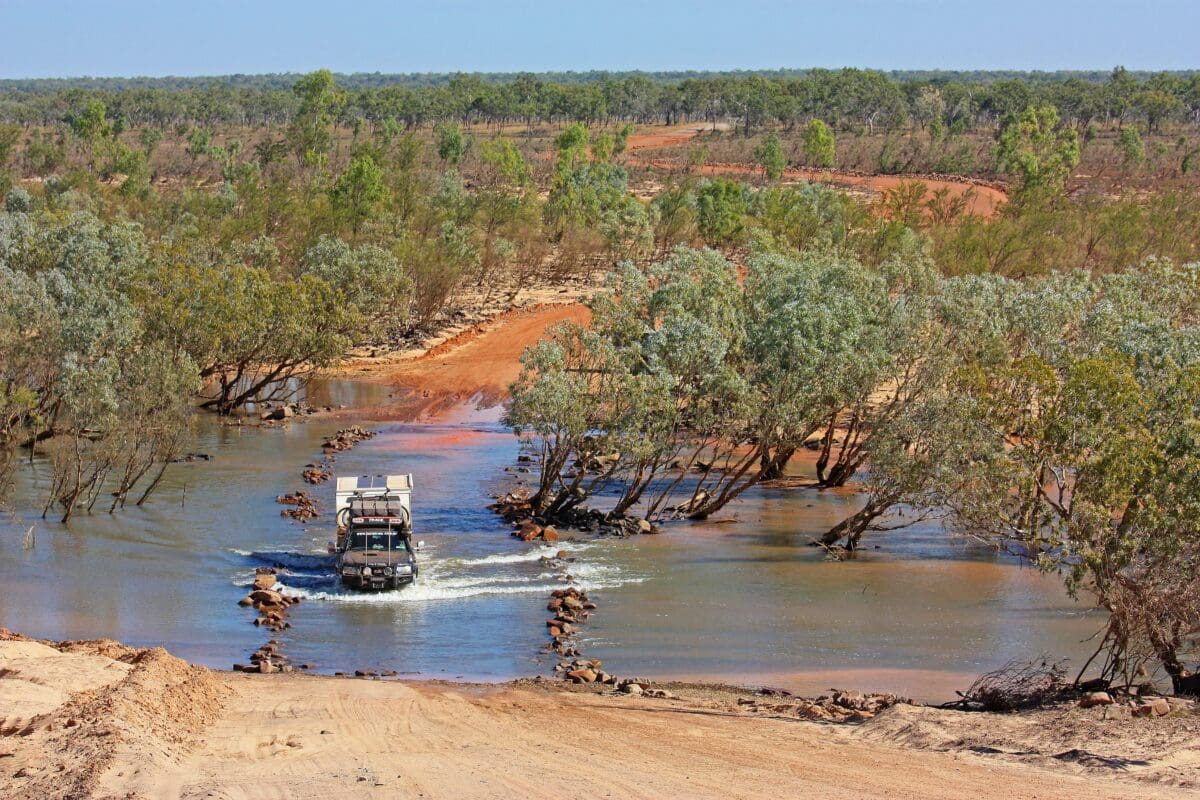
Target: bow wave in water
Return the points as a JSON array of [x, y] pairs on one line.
[[311, 575]]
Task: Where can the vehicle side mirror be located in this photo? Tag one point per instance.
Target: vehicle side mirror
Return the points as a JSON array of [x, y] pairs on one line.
[[332, 547]]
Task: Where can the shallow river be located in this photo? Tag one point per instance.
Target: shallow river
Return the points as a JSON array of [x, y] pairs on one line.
[[742, 598]]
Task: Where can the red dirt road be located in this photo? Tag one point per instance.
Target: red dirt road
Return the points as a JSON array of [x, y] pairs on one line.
[[477, 364], [985, 200]]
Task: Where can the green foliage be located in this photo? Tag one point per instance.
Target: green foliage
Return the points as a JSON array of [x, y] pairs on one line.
[[720, 211], [249, 334], [358, 192], [937, 130], [77, 366], [149, 138], [1085, 454], [199, 143], [591, 195], [675, 217], [737, 375], [1087, 233], [10, 135], [451, 143], [91, 124], [1133, 151], [436, 265], [368, 278], [18, 200], [808, 216], [505, 160], [571, 144], [769, 156], [46, 153], [845, 98], [310, 134], [1038, 151], [820, 150]]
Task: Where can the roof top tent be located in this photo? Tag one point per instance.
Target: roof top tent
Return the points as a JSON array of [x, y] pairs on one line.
[[373, 496]]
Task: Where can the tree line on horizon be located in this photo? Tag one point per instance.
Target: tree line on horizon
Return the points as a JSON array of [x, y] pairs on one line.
[[849, 98]]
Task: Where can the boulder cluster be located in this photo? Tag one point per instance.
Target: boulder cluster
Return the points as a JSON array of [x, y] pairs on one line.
[[317, 472], [582, 670], [527, 531], [840, 706], [572, 609], [272, 607], [367, 673], [303, 506], [571, 605], [345, 439], [289, 410], [1134, 705]]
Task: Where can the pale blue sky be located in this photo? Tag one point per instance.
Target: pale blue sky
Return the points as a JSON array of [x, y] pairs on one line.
[[54, 38]]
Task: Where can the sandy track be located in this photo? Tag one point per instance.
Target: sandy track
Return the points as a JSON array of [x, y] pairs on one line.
[[312, 737], [985, 200], [99, 720], [478, 364]]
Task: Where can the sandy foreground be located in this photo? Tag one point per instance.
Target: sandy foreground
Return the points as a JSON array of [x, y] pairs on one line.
[[98, 719]]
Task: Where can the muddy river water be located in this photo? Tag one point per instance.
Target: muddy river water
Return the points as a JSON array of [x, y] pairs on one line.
[[742, 598]]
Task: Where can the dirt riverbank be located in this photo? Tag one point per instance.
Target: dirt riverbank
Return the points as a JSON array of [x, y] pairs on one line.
[[100, 720]]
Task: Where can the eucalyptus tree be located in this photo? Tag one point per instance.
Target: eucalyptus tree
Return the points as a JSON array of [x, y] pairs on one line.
[[311, 131], [769, 156], [1133, 151], [451, 143], [749, 370], [358, 192], [589, 197], [1082, 401], [721, 205], [83, 379], [565, 401], [368, 278], [253, 337], [506, 208], [914, 362], [1040, 152], [812, 340], [820, 149], [641, 391]]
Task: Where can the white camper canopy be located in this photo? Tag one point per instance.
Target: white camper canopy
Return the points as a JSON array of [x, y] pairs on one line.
[[392, 495]]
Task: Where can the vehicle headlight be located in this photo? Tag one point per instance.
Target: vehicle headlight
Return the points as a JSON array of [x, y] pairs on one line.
[[349, 570], [387, 571], [366, 572], [404, 569]]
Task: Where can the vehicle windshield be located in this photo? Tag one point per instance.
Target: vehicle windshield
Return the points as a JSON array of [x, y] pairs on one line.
[[376, 540]]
